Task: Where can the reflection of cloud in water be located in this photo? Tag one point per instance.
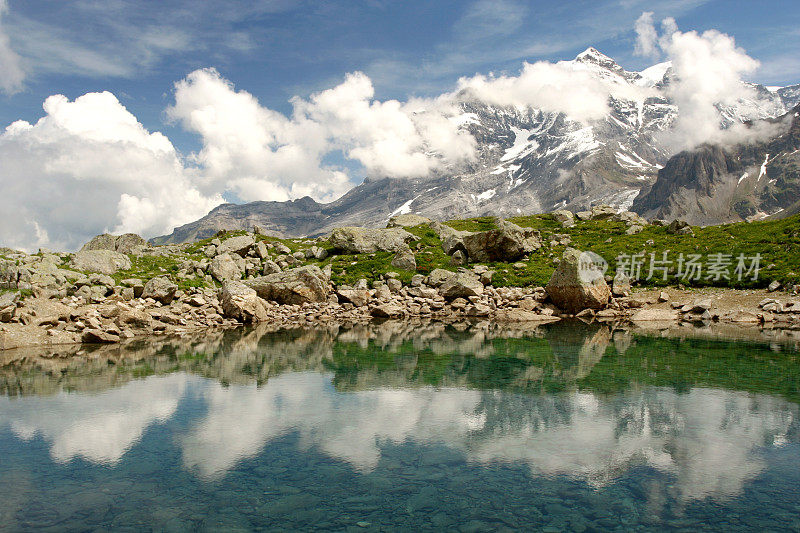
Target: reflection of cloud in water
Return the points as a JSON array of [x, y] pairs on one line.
[[707, 439], [241, 420], [98, 427]]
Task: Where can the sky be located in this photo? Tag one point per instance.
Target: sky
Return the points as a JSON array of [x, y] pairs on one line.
[[163, 109]]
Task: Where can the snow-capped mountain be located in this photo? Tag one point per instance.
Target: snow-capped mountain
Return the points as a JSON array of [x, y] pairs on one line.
[[528, 161], [726, 183]]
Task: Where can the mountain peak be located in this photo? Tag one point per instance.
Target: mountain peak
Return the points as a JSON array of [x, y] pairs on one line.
[[592, 56]]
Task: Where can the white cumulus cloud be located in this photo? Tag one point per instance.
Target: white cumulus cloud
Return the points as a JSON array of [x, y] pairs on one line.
[[89, 166], [261, 154], [568, 87], [708, 71]]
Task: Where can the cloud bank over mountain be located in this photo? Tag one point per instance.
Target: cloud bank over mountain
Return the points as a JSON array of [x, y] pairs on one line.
[[90, 166]]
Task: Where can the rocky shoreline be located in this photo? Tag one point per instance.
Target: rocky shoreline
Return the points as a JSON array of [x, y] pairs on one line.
[[241, 279]]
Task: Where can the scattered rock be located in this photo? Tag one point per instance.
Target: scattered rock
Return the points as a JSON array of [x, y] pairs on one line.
[[124, 244], [564, 217], [521, 315], [295, 286], [353, 240], [103, 261], [654, 315], [407, 221], [461, 285], [621, 285], [240, 302], [357, 297], [97, 336], [508, 242], [405, 260], [680, 227], [387, 310], [160, 289], [239, 245], [774, 286], [224, 268]]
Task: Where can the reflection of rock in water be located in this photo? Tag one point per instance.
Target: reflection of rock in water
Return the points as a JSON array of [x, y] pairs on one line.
[[577, 346], [479, 355]]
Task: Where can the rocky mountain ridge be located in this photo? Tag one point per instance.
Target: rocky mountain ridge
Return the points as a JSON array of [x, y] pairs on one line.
[[528, 161], [714, 183]]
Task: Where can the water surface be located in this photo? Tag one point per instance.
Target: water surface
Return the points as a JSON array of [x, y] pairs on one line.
[[399, 426]]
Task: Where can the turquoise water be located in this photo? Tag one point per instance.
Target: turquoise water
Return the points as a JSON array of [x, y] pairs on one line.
[[403, 427]]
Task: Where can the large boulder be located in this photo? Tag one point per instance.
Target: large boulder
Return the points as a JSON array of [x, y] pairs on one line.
[[160, 289], [461, 285], [357, 297], [8, 304], [225, 268], [407, 221], [405, 260], [242, 303], [508, 242], [103, 261], [602, 212], [295, 286], [239, 245], [352, 240], [124, 244], [566, 218], [578, 283], [452, 239]]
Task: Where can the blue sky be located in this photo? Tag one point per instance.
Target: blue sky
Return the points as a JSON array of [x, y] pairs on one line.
[[276, 49]]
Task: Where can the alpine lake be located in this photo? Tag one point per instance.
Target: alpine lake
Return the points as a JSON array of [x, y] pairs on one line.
[[404, 426]]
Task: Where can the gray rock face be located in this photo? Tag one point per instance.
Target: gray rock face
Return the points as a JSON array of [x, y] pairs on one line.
[[224, 268], [405, 260], [160, 289], [240, 302], [353, 240], [296, 286], [8, 303], [461, 285], [407, 221], [357, 297], [566, 218], [270, 267], [239, 245], [124, 244], [103, 261], [573, 289], [452, 239], [621, 285], [508, 242], [713, 184]]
